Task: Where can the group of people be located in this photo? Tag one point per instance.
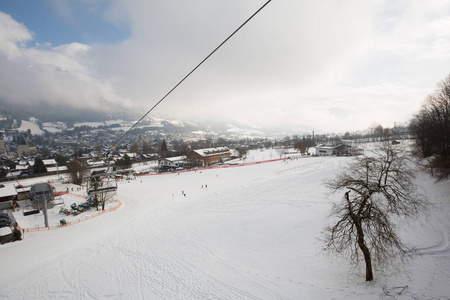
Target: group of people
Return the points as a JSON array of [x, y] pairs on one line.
[[184, 194], [78, 189]]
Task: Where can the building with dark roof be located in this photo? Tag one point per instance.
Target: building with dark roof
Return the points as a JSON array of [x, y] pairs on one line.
[[207, 157]]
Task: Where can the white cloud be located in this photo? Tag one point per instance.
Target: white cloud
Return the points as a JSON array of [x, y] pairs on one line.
[[334, 65], [290, 45], [54, 75], [12, 33]]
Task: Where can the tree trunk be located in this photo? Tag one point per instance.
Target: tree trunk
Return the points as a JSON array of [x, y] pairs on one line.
[[365, 251], [96, 201], [360, 233]]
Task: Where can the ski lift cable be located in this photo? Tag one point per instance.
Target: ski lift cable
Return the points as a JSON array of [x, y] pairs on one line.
[[192, 71]]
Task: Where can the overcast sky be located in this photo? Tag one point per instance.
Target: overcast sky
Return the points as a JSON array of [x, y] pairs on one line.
[[332, 65]]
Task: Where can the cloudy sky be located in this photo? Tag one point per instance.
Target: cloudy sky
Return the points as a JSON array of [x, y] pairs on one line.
[[335, 66]]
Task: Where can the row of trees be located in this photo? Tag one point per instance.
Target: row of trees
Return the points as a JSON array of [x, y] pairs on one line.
[[431, 127]]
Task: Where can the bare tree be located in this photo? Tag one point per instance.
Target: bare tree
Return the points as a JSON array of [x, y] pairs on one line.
[[242, 151], [104, 196], [379, 189], [281, 150], [135, 148], [301, 146]]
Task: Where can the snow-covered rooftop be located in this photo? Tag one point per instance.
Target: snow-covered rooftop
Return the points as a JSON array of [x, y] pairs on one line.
[[49, 162], [211, 151], [7, 190], [176, 158], [57, 169]]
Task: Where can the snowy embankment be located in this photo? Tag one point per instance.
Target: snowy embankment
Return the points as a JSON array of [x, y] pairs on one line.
[[252, 233]]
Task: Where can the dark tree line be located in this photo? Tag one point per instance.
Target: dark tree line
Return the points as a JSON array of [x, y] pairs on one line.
[[431, 127]]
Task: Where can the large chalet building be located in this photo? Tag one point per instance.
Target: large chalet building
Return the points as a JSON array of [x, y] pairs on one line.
[[209, 156]]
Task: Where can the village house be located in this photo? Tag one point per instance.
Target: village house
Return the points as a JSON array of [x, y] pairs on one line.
[[26, 147], [151, 156], [7, 195], [207, 157], [339, 150], [3, 148], [50, 163], [171, 163], [23, 166], [342, 149]]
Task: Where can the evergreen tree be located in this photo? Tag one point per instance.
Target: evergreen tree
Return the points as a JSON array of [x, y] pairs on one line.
[[78, 169], [60, 160], [126, 161], [145, 148], [39, 167], [164, 150]]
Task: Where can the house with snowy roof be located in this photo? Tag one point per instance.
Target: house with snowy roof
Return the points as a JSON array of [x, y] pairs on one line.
[[172, 163], [208, 156], [323, 150], [341, 149], [7, 194], [50, 163], [96, 164]]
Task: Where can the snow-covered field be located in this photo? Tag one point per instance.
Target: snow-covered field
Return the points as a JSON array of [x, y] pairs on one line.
[[252, 233], [33, 127]]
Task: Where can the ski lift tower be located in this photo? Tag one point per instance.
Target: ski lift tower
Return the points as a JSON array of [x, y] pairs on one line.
[[42, 195], [102, 182]]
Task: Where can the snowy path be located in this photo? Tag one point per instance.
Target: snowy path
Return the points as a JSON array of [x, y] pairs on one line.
[[251, 234]]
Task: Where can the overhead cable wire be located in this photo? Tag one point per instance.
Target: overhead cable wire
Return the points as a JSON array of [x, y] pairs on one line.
[[192, 71]]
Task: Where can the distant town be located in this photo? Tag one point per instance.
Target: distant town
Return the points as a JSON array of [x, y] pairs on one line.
[[169, 144]]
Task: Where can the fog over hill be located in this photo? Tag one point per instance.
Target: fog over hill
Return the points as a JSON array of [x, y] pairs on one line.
[[60, 113], [72, 115]]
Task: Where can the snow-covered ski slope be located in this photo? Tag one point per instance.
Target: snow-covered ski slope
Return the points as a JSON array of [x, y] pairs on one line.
[[253, 233]]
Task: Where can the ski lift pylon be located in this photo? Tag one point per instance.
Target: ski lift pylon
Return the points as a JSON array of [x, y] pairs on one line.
[[101, 182]]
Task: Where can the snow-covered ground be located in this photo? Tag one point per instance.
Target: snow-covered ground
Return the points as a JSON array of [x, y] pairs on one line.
[[252, 233], [54, 127], [53, 214], [34, 128]]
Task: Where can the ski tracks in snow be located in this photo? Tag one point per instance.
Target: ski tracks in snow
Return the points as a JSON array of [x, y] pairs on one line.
[[219, 263], [438, 225], [156, 260]]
